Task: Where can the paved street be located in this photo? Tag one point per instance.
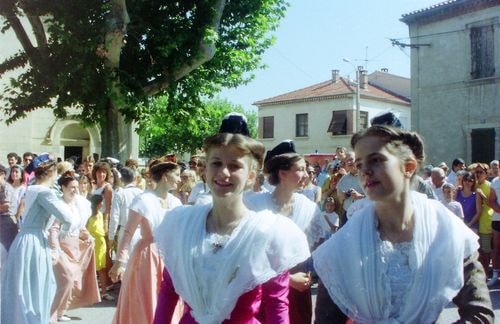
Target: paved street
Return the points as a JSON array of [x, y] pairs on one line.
[[103, 312]]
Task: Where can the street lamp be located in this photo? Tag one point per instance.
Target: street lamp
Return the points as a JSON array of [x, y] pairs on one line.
[[358, 112]]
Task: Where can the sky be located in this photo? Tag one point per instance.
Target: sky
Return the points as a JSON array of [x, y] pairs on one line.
[[316, 35]]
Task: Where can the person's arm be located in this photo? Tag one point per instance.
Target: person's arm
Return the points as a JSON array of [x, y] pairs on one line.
[[318, 195], [114, 217], [473, 300], [475, 218], [118, 268], [275, 299], [107, 194], [55, 206], [493, 201], [167, 300]]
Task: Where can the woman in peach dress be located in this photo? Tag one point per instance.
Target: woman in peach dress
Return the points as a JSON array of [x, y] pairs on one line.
[[143, 274]]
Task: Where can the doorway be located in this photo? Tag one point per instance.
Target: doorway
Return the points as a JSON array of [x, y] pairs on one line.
[[483, 145], [73, 152]]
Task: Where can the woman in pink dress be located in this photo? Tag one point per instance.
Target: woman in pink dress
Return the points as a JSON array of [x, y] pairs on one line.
[[142, 273], [74, 268], [221, 258]]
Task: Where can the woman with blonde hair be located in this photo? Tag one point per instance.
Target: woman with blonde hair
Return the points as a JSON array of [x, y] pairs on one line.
[[221, 258]]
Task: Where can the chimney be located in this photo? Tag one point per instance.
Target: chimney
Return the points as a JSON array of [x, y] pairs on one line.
[[335, 76], [385, 70], [363, 79]]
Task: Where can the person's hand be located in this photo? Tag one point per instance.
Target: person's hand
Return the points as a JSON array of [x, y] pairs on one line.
[[84, 235], [356, 195], [117, 271], [300, 281], [4, 207], [112, 245]]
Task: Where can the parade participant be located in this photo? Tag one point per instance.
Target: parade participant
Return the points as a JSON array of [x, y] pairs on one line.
[[221, 258], [74, 267], [287, 171], [412, 247], [28, 285], [143, 274]]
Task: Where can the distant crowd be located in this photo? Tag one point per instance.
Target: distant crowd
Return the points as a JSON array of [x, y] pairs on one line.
[[101, 217]]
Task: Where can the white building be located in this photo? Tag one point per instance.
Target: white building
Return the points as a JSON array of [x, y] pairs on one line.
[[321, 117], [455, 79], [40, 131]]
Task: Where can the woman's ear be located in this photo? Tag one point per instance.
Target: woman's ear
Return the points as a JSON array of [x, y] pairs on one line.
[[410, 167], [252, 175]]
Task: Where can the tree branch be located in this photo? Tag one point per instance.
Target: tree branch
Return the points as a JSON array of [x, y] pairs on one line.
[[38, 30], [10, 15], [206, 52], [13, 62]]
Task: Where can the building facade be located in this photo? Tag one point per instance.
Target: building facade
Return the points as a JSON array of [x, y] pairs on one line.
[[321, 117], [455, 79]]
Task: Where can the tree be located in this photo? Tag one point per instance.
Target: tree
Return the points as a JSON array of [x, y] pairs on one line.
[[110, 57], [161, 134]]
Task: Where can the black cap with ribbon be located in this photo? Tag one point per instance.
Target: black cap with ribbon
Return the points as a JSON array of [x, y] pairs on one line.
[[286, 146], [388, 119], [235, 123]]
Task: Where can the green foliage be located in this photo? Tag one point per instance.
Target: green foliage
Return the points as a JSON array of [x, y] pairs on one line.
[[163, 133], [161, 38]]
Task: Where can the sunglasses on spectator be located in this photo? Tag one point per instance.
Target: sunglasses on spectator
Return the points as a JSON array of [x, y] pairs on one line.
[[479, 172]]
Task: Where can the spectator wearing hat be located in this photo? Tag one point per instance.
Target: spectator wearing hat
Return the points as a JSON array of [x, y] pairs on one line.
[[29, 285], [457, 165]]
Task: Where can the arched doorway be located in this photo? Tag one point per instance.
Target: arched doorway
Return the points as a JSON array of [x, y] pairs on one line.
[[76, 142]]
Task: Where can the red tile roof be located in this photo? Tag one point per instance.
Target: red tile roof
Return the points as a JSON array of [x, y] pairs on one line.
[[329, 90]]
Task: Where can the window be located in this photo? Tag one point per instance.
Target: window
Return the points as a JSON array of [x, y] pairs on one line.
[[301, 125], [363, 119], [341, 122], [266, 127], [482, 51]]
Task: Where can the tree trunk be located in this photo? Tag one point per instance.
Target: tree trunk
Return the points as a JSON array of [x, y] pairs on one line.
[[116, 135]]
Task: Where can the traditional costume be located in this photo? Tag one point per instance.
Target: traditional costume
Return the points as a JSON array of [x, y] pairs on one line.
[[29, 286], [226, 277], [143, 274], [411, 282]]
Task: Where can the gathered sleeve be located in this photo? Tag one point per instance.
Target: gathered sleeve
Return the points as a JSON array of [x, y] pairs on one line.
[[59, 209]]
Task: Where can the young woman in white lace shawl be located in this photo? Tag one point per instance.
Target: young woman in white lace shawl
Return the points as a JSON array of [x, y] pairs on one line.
[[287, 171], [403, 257], [221, 258]]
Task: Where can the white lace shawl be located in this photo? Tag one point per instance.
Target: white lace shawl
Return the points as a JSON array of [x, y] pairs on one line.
[[355, 275], [306, 214], [265, 246]]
